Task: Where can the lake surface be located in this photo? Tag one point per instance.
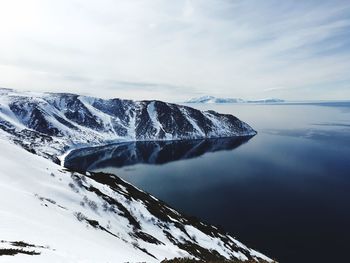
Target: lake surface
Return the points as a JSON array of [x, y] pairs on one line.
[[286, 191]]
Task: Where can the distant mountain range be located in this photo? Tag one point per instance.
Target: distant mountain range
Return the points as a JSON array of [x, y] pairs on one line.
[[212, 99]]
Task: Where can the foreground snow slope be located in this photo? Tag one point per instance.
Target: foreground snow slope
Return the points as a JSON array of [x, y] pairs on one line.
[[51, 123], [63, 216]]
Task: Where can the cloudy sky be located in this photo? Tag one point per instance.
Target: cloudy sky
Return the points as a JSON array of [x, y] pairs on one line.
[[175, 50]]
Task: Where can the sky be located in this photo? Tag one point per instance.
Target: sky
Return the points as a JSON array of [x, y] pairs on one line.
[[176, 50]]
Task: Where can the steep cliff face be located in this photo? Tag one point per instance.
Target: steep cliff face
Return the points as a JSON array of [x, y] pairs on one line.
[[49, 123]]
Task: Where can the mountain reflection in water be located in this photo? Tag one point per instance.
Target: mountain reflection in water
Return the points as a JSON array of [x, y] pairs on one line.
[[145, 152]]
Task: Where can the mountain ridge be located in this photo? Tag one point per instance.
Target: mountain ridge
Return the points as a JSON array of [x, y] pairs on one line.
[[56, 122], [215, 100]]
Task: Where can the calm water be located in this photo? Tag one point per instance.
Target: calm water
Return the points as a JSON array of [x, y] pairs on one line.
[[285, 191]]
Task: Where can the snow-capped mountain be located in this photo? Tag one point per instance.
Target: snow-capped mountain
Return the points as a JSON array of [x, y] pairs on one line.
[[55, 122], [51, 214], [212, 99]]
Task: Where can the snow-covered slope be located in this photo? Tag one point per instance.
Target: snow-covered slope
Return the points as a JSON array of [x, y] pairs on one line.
[[51, 123], [48, 214], [212, 99]]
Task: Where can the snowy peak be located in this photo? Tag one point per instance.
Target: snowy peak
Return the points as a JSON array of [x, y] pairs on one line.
[[67, 120], [212, 99]]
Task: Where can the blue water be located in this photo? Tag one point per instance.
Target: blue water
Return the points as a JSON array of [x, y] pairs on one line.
[[286, 191]]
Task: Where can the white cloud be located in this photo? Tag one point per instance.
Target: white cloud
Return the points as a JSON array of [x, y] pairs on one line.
[[178, 48]]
